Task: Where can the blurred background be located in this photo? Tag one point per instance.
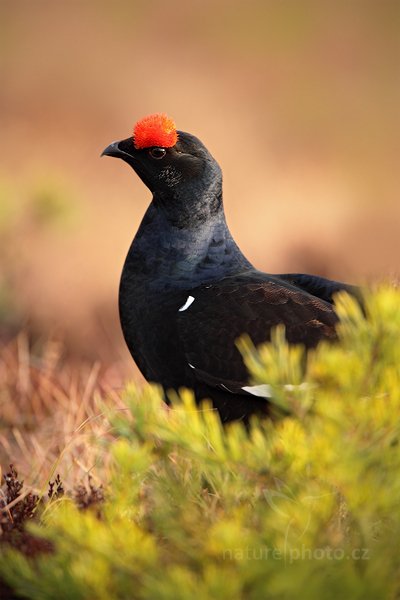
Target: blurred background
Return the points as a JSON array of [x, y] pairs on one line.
[[298, 101]]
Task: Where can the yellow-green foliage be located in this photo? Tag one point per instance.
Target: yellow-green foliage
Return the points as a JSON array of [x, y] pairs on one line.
[[305, 506]]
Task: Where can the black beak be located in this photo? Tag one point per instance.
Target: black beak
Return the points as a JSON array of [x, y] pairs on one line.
[[123, 149], [113, 150]]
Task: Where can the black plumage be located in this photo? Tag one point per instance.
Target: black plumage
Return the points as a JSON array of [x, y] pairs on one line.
[[187, 292]]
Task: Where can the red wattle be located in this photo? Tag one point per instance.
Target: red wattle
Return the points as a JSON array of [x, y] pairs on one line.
[[155, 130]]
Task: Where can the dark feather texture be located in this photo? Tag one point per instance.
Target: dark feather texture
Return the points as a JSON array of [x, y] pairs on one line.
[[188, 293]]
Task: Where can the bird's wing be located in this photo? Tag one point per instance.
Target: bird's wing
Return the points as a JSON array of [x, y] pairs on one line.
[[216, 315], [319, 286]]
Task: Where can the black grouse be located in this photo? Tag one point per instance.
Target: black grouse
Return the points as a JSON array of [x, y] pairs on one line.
[[187, 292]]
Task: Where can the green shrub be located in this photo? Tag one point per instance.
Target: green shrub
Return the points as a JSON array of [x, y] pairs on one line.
[[306, 505]]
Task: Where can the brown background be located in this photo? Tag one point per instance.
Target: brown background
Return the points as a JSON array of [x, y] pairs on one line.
[[298, 101]]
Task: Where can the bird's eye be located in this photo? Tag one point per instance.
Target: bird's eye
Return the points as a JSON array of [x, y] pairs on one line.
[[157, 153]]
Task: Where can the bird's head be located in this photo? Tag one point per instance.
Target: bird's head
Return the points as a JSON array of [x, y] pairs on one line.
[[171, 163]]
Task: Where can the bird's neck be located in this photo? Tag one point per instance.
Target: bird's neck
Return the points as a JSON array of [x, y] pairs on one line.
[[163, 254]]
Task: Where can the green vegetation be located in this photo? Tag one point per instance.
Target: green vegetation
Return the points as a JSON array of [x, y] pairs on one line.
[[306, 505]]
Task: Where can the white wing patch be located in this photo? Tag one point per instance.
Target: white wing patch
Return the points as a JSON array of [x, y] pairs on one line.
[[263, 391], [188, 302]]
